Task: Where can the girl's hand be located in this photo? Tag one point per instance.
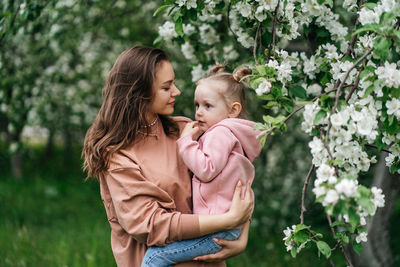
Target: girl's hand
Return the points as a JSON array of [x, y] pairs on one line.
[[191, 129], [241, 209], [229, 248]]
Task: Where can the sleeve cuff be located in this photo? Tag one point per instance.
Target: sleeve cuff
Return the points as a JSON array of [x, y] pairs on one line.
[[190, 227]]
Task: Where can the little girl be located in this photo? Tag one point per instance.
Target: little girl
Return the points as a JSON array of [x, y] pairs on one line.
[[221, 155]]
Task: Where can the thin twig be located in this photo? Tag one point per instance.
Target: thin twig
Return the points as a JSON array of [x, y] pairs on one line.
[[255, 44], [341, 246], [355, 85], [303, 194], [229, 22], [301, 107], [272, 44]]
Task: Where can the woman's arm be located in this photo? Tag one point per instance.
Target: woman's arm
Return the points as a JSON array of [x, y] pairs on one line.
[[144, 210], [229, 248]]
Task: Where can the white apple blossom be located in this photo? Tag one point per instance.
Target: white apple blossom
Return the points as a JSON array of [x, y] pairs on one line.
[[393, 107], [263, 88], [347, 187], [188, 50], [389, 74], [362, 237], [331, 198], [167, 31], [314, 89], [244, 8], [367, 16], [197, 72], [378, 198]]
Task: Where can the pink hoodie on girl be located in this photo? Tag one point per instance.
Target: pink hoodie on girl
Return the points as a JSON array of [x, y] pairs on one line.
[[223, 154]]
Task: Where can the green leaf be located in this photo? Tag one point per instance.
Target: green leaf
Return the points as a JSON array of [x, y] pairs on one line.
[[301, 236], [330, 3], [367, 204], [338, 223], [324, 248], [357, 247], [298, 91], [270, 104], [261, 69], [370, 6], [179, 27], [320, 115], [382, 45], [161, 8], [354, 218], [266, 97], [293, 252], [276, 92], [373, 27], [395, 92], [300, 227]]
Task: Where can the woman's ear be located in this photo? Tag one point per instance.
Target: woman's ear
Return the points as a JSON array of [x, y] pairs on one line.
[[235, 110]]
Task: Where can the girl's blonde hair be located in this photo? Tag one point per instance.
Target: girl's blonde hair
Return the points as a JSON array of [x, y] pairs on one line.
[[234, 90]]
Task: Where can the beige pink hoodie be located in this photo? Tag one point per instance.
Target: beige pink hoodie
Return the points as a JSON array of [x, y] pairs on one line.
[[222, 155]]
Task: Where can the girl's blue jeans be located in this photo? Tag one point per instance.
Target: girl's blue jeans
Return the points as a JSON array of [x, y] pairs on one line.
[[186, 250]]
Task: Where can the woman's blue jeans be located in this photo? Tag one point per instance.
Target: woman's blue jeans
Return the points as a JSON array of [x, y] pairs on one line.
[[186, 250]]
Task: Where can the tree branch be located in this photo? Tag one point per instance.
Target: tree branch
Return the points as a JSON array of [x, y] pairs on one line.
[[303, 194], [341, 246]]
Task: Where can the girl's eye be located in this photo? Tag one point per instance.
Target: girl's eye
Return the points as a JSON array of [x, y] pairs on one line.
[[208, 106]]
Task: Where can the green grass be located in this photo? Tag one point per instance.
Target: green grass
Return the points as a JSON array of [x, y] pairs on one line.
[[49, 222]]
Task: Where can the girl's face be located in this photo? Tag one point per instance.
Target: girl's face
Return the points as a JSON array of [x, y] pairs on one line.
[[164, 90], [210, 104]]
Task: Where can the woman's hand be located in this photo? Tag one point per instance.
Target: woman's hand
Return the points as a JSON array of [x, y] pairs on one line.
[[229, 248], [241, 209], [191, 128]]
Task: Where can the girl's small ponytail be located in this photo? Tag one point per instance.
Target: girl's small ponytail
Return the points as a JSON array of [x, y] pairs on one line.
[[218, 68], [241, 73]]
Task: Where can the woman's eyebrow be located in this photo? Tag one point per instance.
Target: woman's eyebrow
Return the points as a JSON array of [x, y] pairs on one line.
[[168, 82]]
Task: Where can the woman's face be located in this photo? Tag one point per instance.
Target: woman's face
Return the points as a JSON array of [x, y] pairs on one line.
[[164, 90]]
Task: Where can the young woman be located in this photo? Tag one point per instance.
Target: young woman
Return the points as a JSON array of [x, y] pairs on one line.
[[227, 148], [144, 184]]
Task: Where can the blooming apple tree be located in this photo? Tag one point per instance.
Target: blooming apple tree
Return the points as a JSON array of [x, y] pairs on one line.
[[336, 60]]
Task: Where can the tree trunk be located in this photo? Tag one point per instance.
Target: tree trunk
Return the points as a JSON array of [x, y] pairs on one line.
[[377, 252]]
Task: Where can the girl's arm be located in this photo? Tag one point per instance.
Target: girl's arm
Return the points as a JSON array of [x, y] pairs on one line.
[[209, 160]]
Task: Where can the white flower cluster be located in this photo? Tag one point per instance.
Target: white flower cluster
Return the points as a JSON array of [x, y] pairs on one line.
[[263, 88], [188, 3], [167, 31], [288, 232], [389, 74], [367, 16]]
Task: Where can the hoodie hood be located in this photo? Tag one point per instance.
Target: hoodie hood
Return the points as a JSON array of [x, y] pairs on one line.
[[244, 132]]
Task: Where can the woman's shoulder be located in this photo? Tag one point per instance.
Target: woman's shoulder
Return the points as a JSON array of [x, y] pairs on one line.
[[123, 158], [181, 121]]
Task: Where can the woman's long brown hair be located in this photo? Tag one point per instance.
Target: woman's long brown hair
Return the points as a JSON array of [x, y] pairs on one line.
[[127, 95]]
